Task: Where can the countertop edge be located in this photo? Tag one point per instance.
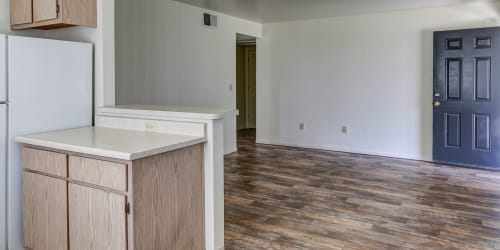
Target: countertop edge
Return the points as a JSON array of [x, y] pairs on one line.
[[140, 155], [103, 111], [107, 153]]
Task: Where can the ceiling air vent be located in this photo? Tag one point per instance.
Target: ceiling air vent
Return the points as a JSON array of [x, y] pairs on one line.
[[209, 20]]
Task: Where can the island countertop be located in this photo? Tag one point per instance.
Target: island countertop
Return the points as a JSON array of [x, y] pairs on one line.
[[170, 111], [110, 142]]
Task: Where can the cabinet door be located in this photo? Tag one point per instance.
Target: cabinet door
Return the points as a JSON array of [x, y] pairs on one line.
[[168, 200], [20, 12], [45, 217], [97, 219], [44, 10]]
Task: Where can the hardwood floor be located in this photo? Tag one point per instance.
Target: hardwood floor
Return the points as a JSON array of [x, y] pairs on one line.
[[289, 198]]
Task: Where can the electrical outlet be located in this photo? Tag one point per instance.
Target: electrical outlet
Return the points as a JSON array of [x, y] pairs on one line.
[[301, 126], [150, 126], [344, 129]]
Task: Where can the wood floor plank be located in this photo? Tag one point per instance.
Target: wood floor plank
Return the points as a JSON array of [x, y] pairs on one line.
[[292, 198]]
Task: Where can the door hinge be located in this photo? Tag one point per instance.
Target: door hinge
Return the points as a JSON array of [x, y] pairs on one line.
[[58, 8], [127, 208]]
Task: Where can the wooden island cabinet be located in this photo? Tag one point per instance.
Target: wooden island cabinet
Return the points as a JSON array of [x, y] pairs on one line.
[[85, 202]]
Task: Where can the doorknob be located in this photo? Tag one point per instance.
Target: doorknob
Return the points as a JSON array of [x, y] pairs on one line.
[[437, 104], [437, 94]]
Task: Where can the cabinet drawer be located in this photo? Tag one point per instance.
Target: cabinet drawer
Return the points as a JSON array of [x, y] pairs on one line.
[[45, 161], [101, 173]]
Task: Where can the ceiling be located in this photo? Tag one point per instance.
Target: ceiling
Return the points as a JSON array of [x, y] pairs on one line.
[[288, 10]]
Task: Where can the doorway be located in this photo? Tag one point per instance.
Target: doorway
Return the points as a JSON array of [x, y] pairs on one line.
[[246, 90]]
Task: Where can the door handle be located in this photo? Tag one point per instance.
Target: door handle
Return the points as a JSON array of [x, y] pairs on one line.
[[437, 94], [436, 104]]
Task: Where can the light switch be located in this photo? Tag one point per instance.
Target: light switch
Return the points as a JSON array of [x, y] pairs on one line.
[[150, 126]]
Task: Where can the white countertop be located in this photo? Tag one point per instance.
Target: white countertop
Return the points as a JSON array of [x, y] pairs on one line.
[[112, 143], [171, 111]]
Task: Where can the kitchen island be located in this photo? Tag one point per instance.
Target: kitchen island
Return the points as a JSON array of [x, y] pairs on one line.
[[143, 178], [105, 188]]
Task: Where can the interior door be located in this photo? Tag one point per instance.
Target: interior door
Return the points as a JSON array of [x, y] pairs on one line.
[[44, 10], [251, 87], [241, 99], [467, 97]]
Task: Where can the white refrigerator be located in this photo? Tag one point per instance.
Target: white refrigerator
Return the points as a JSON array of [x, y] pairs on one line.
[[45, 85]]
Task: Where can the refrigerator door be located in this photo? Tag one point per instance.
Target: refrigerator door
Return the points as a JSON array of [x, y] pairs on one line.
[[3, 68], [3, 175], [50, 88]]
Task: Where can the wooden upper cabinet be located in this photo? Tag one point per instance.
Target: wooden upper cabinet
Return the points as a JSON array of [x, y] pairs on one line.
[[20, 12], [53, 14], [44, 10]]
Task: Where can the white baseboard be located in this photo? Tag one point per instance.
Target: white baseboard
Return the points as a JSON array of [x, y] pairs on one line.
[[339, 149], [233, 150]]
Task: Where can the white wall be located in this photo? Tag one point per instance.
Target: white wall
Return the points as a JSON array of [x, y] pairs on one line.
[[164, 56], [102, 37], [371, 73]]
